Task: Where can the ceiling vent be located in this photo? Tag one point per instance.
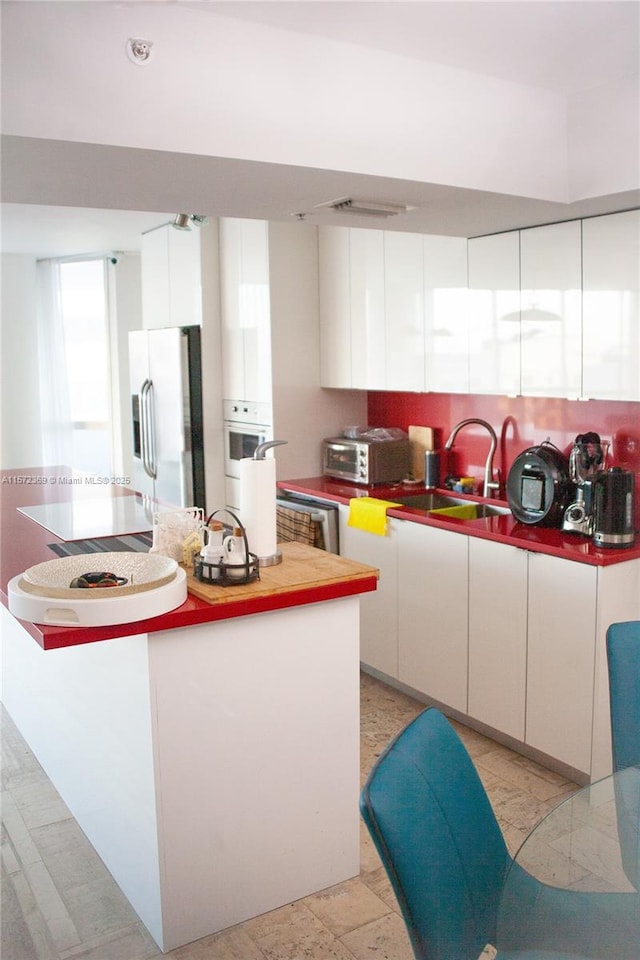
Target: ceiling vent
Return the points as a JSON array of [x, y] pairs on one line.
[[365, 208]]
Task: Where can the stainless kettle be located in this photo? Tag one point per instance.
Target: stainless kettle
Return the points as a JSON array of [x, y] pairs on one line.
[[612, 494]]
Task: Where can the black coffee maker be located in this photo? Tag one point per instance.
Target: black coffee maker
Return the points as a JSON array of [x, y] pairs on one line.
[[612, 512]]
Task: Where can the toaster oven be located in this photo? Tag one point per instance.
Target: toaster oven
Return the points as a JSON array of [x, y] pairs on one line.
[[366, 461]]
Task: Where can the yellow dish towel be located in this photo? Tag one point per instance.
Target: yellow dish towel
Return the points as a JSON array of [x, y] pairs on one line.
[[465, 511], [370, 514]]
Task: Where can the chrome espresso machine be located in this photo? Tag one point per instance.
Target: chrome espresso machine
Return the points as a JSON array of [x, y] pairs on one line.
[[604, 498], [588, 456]]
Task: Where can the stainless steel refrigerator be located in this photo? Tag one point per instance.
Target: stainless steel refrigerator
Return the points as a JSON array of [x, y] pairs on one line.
[[165, 371]]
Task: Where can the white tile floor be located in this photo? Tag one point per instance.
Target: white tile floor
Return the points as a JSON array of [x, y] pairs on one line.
[[60, 903]]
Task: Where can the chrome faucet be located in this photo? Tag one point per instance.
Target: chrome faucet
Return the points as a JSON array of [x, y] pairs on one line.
[[489, 483]]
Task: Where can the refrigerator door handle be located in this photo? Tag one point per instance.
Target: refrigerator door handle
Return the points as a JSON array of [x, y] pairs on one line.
[[147, 432]]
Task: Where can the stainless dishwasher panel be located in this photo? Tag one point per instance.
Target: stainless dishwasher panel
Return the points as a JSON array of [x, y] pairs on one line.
[[322, 511]]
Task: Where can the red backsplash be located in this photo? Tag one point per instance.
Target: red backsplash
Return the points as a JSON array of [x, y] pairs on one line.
[[519, 422]]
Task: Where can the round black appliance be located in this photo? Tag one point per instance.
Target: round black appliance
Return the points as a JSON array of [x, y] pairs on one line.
[[539, 487]]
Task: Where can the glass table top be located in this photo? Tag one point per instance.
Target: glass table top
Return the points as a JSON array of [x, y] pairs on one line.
[[573, 887]]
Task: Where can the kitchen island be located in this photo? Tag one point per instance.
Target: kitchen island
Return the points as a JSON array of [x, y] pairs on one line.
[[211, 755]]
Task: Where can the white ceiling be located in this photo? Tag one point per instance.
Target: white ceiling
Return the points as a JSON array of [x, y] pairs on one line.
[[43, 231], [545, 43], [555, 45]]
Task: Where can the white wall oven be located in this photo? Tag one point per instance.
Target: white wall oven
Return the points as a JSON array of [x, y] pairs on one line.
[[246, 424]]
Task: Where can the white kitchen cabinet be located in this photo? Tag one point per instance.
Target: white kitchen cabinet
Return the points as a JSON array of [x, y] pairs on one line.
[[618, 601], [446, 317], [245, 309], [551, 310], [335, 307], [171, 278], [511, 638], [393, 310], [404, 311], [494, 314], [498, 635], [561, 658], [367, 308], [611, 306], [433, 595], [378, 610]]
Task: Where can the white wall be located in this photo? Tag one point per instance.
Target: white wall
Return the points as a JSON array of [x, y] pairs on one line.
[[604, 139], [20, 396], [216, 86]]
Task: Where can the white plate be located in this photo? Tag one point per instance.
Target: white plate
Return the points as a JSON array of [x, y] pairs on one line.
[[143, 572]]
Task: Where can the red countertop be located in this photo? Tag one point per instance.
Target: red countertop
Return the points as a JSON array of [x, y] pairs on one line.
[[502, 529], [24, 543]]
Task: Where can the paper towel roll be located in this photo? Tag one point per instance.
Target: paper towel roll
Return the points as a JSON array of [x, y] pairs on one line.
[[258, 505]]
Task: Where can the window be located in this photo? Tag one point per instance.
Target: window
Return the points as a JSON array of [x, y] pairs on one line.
[[75, 364]]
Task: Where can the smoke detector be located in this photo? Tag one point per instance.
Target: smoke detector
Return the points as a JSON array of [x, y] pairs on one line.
[[138, 50], [365, 208]]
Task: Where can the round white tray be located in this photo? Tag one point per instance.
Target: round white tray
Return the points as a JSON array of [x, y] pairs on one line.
[[142, 571], [96, 611]]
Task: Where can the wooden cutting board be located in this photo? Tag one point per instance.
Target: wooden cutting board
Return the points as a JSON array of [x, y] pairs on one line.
[[421, 439], [302, 567]]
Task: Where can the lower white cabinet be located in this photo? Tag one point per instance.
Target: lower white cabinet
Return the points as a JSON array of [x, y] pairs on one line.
[[433, 594], [510, 638], [498, 635], [378, 610], [561, 658]]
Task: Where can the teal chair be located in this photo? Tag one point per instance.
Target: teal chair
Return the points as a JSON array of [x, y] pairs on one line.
[[433, 826], [623, 658]]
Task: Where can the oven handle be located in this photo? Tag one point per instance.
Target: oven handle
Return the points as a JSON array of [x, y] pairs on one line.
[[300, 508]]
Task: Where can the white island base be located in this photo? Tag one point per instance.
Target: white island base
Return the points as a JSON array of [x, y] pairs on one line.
[[214, 768]]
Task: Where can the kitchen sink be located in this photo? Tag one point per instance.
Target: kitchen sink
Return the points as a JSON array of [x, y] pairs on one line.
[[441, 501], [490, 510]]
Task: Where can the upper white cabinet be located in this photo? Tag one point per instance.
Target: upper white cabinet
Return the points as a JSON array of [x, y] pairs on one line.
[[611, 306], [494, 314], [335, 307], [404, 311], [551, 310], [446, 314], [367, 308], [171, 278], [393, 310], [371, 309], [246, 311]]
